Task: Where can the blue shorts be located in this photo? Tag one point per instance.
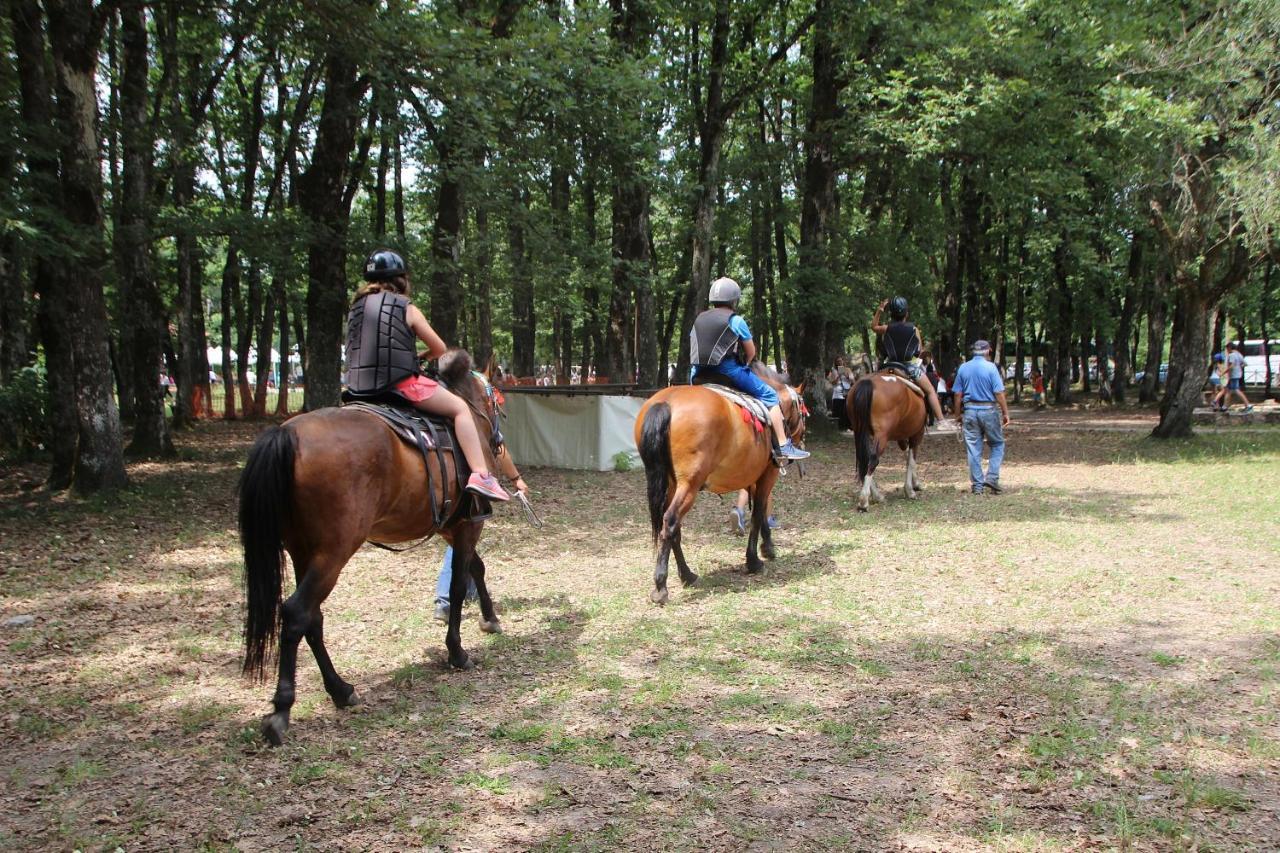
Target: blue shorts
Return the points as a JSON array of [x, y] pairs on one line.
[[1235, 383], [740, 376]]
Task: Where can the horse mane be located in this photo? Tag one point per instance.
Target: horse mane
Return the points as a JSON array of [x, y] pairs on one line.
[[454, 366], [768, 374]]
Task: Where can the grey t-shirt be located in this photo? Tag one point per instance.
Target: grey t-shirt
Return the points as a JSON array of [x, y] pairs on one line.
[[1235, 361]]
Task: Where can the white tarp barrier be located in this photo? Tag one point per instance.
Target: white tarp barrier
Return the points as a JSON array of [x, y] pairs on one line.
[[571, 431]]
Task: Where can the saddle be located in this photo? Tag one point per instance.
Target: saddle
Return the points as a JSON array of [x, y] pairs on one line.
[[897, 371], [429, 434], [753, 411]]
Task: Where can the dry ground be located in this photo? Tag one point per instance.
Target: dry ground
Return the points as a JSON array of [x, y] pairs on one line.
[[1091, 660]]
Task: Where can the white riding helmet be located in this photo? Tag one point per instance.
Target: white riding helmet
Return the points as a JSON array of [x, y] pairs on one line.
[[725, 290]]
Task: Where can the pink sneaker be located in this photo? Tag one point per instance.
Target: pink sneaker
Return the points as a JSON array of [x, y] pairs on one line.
[[487, 486]]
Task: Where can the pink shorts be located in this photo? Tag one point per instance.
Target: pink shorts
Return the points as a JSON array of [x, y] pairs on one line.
[[417, 388]]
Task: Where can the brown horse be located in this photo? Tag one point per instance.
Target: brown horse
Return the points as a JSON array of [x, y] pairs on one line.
[[691, 438], [884, 407], [319, 487]]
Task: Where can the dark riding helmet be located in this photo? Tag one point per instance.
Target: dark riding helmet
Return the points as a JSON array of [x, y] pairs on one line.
[[898, 308], [383, 264]]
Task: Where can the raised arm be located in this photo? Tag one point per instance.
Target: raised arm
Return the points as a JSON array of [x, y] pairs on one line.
[[876, 326]]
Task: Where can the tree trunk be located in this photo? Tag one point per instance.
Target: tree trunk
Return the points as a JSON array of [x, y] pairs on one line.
[[1157, 313], [818, 204], [52, 310], [591, 344], [1020, 341], [1187, 359], [1219, 329], [74, 35], [231, 305], [282, 387], [143, 324], [266, 328], [1060, 316], [484, 309], [326, 205], [949, 353], [446, 290], [1124, 329], [1264, 315], [523, 318]]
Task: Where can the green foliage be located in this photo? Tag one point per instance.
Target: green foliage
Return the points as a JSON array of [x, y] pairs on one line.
[[24, 413]]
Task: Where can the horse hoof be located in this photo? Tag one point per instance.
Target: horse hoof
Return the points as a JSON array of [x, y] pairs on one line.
[[659, 596], [273, 728], [463, 665], [755, 568], [351, 700], [862, 509], [494, 627], [768, 552], [690, 579]]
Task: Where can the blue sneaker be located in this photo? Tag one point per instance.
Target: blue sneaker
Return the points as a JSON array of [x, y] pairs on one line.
[[790, 451], [773, 522], [737, 521]]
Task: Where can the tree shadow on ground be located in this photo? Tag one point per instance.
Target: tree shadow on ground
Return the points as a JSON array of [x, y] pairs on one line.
[[724, 578]]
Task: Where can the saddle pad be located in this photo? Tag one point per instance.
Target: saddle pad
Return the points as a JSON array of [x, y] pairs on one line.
[[754, 407], [437, 433], [894, 376]]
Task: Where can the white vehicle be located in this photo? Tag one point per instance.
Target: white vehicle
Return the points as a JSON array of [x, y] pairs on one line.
[[1255, 363]]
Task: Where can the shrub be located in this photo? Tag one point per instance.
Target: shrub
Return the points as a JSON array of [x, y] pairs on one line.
[[24, 413]]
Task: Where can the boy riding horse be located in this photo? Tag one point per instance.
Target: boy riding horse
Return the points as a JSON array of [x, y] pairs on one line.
[[902, 346], [721, 348]]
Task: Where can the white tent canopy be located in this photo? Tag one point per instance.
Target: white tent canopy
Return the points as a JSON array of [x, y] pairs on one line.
[[214, 354]]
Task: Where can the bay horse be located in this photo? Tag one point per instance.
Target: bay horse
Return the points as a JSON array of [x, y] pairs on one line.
[[321, 485], [691, 438], [885, 407]]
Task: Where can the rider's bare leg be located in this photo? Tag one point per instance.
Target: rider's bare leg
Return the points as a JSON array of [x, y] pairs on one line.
[[932, 395], [775, 418], [452, 406]]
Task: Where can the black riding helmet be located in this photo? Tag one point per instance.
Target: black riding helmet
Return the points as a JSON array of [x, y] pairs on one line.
[[383, 264], [898, 308]]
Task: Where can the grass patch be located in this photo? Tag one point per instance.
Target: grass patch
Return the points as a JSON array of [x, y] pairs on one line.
[[497, 785]]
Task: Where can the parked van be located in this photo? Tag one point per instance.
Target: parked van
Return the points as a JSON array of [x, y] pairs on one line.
[[1255, 363]]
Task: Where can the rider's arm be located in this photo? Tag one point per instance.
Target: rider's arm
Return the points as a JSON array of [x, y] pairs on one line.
[[418, 323], [876, 326], [508, 466], [749, 350]]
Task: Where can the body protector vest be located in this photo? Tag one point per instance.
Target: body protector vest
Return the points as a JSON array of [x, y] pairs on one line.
[[711, 341], [900, 342], [381, 348]]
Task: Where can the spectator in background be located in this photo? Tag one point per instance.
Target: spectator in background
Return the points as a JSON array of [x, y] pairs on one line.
[[1235, 378], [1037, 387], [841, 379], [1217, 382]]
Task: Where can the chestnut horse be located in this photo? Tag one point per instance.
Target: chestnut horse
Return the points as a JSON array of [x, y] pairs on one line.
[[691, 438], [320, 486], [884, 407]]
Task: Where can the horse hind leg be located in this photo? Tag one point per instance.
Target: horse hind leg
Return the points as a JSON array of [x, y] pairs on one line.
[[669, 538], [300, 617], [342, 693], [687, 576]]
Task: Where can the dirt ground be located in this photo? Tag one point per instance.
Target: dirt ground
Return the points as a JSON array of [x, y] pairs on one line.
[[1088, 661]]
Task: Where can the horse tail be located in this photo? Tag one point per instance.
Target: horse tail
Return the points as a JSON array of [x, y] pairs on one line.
[[864, 438], [655, 452], [266, 486]]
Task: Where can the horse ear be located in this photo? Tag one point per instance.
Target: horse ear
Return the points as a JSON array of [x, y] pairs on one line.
[[800, 389], [488, 368]]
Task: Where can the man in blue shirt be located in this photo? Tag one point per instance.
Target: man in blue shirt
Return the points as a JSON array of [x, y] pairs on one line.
[[984, 412], [720, 348]]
